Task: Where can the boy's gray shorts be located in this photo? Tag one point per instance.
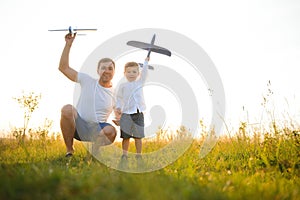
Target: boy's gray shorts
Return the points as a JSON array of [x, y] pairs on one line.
[[132, 125]]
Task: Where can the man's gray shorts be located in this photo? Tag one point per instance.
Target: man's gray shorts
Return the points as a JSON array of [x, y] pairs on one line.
[[87, 131], [132, 125]]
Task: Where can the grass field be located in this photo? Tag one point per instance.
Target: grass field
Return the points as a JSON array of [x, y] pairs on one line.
[[239, 167]]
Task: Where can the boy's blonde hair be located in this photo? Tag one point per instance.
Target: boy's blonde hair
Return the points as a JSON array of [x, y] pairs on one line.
[[131, 64]]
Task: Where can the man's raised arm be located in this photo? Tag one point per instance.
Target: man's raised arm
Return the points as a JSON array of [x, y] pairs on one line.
[[64, 66]]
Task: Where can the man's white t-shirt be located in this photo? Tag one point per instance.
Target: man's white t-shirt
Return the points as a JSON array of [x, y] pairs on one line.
[[95, 103]]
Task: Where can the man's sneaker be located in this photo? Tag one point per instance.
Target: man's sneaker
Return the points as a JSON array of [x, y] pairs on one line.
[[95, 149], [68, 154]]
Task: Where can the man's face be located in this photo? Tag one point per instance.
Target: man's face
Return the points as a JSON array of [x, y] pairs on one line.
[[106, 71]]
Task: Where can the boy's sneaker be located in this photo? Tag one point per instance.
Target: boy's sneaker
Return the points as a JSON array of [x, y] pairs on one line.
[[123, 164], [139, 160]]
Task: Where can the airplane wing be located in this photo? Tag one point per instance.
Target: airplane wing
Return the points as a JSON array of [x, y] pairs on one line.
[[146, 46], [75, 29], [59, 30], [149, 66], [84, 29]]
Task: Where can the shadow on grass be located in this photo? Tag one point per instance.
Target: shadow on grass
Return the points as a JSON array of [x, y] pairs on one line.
[[83, 177]]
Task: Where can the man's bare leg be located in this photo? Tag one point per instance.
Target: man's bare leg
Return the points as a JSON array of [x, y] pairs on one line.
[[67, 125], [106, 137], [109, 133]]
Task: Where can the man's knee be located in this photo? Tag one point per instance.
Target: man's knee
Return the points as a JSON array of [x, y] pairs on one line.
[[110, 132], [68, 111]]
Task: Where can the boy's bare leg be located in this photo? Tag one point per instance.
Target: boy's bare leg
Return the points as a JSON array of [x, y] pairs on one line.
[[67, 125], [125, 146], [138, 156], [138, 146]]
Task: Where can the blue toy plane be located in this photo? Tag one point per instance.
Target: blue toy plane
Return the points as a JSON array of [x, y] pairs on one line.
[[74, 30]]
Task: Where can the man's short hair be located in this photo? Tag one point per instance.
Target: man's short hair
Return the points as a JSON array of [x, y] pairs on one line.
[[104, 60]]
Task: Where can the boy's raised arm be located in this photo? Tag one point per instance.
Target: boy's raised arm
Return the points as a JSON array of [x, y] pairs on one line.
[[145, 69]]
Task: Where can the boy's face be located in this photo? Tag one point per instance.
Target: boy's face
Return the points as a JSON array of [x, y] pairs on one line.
[[131, 73]]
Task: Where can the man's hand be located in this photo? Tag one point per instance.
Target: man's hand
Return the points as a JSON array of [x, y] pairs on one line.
[[118, 114], [116, 122], [69, 38]]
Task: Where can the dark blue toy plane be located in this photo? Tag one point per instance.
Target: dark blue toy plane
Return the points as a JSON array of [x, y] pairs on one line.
[[150, 47]]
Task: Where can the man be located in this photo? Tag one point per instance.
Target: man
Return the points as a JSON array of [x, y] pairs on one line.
[[96, 102]]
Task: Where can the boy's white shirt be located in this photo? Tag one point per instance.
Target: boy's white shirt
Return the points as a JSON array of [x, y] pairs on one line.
[[95, 103], [130, 95]]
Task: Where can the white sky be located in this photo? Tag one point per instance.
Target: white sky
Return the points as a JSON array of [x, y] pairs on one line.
[[250, 42]]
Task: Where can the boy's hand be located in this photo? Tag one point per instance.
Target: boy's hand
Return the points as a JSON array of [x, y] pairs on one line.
[[118, 114]]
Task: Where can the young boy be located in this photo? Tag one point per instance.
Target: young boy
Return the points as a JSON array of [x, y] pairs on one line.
[[130, 106]]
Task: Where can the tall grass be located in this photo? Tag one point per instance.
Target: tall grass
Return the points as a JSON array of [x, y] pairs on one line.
[[256, 165]]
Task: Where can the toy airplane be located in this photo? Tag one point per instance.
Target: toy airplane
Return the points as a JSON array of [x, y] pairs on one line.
[[74, 30], [150, 47]]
